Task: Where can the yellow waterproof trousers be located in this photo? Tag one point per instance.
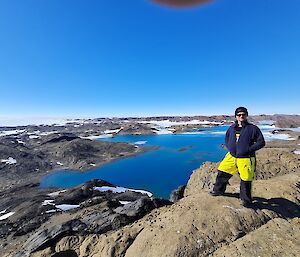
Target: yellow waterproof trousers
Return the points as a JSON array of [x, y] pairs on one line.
[[245, 166]]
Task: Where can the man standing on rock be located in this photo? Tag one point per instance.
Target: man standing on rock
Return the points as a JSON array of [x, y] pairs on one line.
[[242, 140]]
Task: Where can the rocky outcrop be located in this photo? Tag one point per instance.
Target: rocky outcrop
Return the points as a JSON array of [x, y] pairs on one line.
[[203, 225], [279, 237]]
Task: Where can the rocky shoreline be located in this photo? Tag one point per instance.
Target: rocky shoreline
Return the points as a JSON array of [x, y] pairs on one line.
[[98, 218], [127, 223]]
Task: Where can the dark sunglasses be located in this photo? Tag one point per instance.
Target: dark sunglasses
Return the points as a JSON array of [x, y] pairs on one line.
[[241, 114]]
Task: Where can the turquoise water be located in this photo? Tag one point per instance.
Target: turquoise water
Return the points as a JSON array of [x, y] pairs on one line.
[[158, 171]]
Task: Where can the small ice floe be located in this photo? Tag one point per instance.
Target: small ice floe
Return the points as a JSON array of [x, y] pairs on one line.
[[67, 207], [48, 202], [124, 202], [7, 215], [56, 193], [140, 142], [297, 152], [121, 190], [10, 160], [34, 136], [59, 163]]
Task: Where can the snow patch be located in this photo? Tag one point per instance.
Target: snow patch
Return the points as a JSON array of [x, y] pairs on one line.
[[10, 160], [59, 163], [47, 133], [297, 152], [56, 193], [1, 212], [67, 207], [48, 202], [7, 215], [51, 211], [99, 136], [34, 136], [20, 142], [121, 190], [93, 164], [168, 123], [124, 202], [112, 131], [269, 136], [161, 131], [10, 132]]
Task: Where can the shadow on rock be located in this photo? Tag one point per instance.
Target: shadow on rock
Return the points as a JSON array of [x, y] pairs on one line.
[[283, 207]]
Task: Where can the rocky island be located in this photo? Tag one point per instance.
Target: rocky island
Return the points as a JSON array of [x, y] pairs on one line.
[[101, 219]]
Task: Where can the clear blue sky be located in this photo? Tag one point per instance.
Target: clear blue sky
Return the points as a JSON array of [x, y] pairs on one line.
[[135, 58]]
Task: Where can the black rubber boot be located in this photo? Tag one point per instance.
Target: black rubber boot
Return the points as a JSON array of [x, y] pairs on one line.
[[245, 193], [221, 183]]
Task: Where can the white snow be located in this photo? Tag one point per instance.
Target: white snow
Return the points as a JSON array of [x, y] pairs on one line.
[[10, 132], [168, 123], [47, 133], [93, 164], [163, 131], [112, 131], [270, 127], [125, 202], [33, 136], [1, 212], [66, 207], [5, 216], [50, 211], [23, 121], [99, 136], [121, 190], [297, 152], [48, 202], [59, 163], [270, 136], [10, 160], [56, 193], [20, 142], [140, 142]]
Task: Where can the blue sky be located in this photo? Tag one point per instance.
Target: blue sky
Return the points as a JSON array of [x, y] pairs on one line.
[[136, 58]]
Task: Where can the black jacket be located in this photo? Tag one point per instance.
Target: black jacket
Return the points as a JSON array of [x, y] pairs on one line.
[[251, 139]]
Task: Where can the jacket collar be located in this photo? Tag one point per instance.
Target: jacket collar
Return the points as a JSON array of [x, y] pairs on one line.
[[244, 123]]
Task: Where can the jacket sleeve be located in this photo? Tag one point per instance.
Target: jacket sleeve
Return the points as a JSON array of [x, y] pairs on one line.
[[259, 141], [227, 139]]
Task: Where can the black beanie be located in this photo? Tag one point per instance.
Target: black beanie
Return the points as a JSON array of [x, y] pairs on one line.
[[241, 109]]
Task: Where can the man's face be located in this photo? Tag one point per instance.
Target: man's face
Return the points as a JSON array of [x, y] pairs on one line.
[[241, 116]]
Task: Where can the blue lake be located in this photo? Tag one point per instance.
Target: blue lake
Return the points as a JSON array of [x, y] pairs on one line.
[[158, 171]]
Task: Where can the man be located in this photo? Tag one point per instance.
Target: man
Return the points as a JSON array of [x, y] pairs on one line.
[[242, 140]]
